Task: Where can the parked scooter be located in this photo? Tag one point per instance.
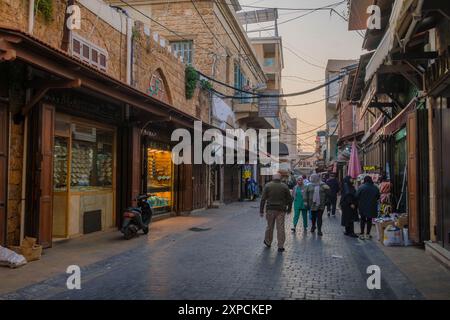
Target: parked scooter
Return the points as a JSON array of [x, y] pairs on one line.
[[139, 218]]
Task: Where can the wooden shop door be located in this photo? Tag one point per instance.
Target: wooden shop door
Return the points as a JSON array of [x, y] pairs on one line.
[[3, 170], [39, 218], [413, 204]]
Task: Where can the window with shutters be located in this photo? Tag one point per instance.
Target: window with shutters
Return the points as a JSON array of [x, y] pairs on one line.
[[184, 49], [89, 52]]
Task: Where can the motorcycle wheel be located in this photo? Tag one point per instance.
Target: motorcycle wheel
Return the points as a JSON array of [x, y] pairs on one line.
[[128, 234]]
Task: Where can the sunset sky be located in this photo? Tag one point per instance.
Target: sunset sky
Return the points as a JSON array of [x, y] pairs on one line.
[[316, 37]]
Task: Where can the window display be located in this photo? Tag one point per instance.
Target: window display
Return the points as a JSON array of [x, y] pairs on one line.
[[60, 164], [92, 159], [159, 177]]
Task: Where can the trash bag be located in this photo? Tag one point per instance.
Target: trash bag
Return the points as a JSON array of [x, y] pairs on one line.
[[392, 236], [11, 259]]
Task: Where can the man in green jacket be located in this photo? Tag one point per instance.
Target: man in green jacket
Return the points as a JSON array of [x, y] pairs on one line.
[[277, 201]]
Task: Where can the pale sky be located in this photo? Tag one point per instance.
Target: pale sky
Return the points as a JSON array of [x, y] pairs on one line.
[[315, 37]]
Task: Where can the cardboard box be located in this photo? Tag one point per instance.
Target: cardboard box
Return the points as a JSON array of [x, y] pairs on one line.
[[29, 249], [402, 221]]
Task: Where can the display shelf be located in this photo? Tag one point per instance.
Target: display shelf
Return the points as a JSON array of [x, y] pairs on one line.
[[154, 189]]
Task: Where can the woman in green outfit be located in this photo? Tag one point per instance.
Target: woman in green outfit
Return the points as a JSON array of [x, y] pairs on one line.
[[298, 194]]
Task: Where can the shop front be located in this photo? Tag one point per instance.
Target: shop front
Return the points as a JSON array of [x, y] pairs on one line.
[[83, 176], [158, 175], [77, 173], [232, 183]]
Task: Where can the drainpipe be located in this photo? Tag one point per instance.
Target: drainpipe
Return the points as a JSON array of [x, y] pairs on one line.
[[129, 48], [24, 180], [30, 16], [417, 16]]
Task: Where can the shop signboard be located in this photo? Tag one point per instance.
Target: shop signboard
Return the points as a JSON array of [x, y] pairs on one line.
[[269, 107]]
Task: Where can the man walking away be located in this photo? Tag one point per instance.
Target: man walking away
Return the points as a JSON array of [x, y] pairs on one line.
[[333, 183], [277, 201], [316, 194], [367, 195]]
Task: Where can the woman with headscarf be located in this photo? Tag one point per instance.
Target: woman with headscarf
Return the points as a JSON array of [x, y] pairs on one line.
[[367, 195], [316, 195], [348, 207], [298, 195]]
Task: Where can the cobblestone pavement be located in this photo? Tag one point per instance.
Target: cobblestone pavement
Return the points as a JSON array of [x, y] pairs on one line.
[[225, 259]]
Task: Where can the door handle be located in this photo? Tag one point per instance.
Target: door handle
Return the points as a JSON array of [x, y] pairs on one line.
[[2, 204]]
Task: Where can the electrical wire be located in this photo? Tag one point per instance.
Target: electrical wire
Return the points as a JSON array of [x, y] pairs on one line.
[[253, 95], [303, 59], [303, 79], [309, 131], [207, 26], [327, 8], [293, 9], [184, 38], [310, 103]]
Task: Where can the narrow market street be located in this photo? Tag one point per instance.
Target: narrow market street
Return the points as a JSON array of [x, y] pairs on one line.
[[219, 254]]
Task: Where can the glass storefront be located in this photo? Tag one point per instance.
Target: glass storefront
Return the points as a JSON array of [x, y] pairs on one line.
[[159, 177], [83, 177]]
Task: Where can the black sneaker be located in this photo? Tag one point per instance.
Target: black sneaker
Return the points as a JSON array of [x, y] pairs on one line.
[[313, 229], [293, 230], [266, 244], [280, 249], [320, 233]]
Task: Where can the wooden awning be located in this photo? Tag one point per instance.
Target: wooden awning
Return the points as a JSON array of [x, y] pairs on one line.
[[18, 45], [400, 120]]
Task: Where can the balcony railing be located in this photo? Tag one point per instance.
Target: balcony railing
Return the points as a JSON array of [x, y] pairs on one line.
[[437, 74]]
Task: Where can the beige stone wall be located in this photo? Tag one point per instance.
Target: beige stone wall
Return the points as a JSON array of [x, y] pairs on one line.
[[15, 183], [210, 53], [149, 57], [14, 14]]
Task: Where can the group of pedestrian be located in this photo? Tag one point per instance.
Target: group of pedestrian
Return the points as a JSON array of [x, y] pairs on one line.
[[361, 204], [312, 197]]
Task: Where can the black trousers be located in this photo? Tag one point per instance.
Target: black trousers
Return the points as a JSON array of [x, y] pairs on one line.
[[350, 228], [331, 205], [316, 219], [366, 221]]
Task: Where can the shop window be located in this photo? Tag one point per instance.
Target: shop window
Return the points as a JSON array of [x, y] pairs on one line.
[[184, 49], [92, 158], [89, 53], [60, 164], [159, 176]]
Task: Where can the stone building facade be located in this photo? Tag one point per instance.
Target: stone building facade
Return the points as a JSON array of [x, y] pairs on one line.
[[104, 28]]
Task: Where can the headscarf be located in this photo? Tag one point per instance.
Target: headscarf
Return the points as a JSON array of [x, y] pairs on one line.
[[347, 185], [315, 181]]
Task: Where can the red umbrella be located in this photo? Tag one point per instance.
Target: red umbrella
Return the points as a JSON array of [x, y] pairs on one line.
[[354, 166]]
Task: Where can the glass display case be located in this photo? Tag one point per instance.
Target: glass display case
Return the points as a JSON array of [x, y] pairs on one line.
[[60, 163], [159, 178], [92, 159]]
